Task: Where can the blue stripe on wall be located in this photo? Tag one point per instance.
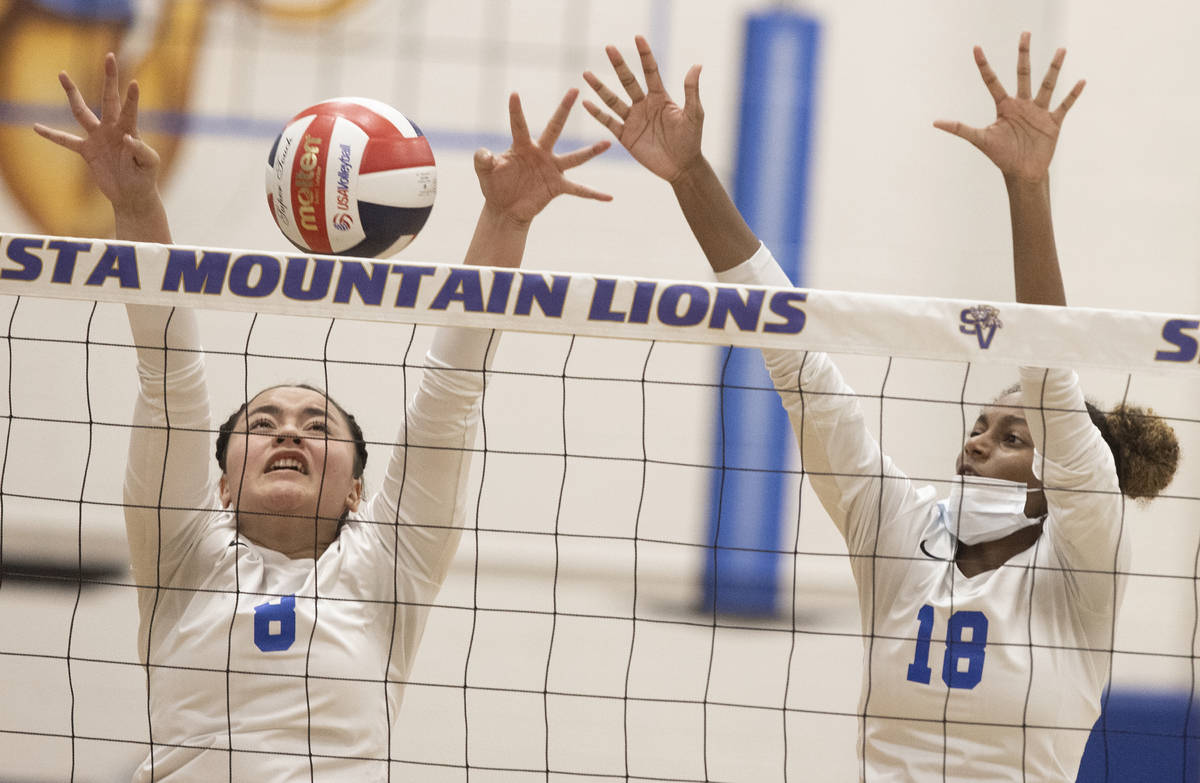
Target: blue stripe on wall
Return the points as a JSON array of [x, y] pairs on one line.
[[770, 189]]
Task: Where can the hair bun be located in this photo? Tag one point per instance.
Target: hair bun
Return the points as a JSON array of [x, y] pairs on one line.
[[1144, 446]]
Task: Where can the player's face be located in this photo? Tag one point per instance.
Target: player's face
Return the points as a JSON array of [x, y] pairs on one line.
[[298, 458], [1000, 446]]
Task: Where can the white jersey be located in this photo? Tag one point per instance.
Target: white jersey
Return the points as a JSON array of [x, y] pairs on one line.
[[263, 668], [996, 677]]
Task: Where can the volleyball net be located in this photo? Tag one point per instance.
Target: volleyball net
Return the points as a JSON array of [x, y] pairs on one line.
[[570, 640]]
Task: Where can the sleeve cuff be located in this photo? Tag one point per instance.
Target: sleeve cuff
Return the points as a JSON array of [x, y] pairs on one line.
[[759, 269]]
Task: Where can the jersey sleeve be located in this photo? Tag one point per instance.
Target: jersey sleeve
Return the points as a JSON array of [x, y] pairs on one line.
[[859, 486], [168, 492], [1076, 467], [424, 489]]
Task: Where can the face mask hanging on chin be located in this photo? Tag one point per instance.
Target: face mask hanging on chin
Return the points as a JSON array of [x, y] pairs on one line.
[[985, 509]]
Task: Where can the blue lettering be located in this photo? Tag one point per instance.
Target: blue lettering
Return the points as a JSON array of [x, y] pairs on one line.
[[784, 303], [207, 275], [668, 305], [744, 312], [64, 265], [498, 296], [462, 285], [353, 276], [550, 298], [643, 298], [244, 268], [31, 265], [410, 282], [601, 309], [1186, 345], [297, 269], [119, 261]]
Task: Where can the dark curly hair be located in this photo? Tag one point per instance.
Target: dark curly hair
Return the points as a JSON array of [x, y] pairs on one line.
[[356, 433], [1144, 448]]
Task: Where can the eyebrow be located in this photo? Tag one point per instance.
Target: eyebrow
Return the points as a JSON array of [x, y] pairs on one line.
[[311, 411], [1006, 420]]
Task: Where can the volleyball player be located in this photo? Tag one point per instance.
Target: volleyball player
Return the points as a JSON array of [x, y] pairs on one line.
[[987, 617], [250, 676]]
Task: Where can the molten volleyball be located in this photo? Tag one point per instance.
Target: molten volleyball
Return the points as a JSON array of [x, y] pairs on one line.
[[351, 176]]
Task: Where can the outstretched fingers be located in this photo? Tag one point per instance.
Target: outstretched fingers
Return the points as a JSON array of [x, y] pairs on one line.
[[570, 160], [516, 121], [624, 74], [1023, 68], [1050, 80], [615, 104], [691, 93], [68, 140], [614, 125], [973, 135], [990, 80], [110, 98], [583, 191], [558, 120], [654, 82], [79, 108], [129, 110], [1061, 112]]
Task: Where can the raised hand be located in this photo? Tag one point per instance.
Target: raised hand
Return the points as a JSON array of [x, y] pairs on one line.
[[123, 166], [1021, 140], [521, 181], [661, 135]]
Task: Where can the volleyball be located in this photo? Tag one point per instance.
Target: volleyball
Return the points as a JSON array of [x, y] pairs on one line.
[[351, 176]]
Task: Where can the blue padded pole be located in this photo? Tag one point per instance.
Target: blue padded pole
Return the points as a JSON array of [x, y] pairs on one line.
[[752, 431]]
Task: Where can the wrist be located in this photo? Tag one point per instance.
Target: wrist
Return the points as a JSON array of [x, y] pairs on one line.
[[1019, 185], [143, 219], [498, 219], [692, 174]]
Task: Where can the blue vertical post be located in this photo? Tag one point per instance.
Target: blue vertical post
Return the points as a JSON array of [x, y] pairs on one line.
[[752, 431]]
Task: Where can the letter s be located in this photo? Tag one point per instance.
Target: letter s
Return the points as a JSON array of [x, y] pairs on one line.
[[786, 304], [1173, 332]]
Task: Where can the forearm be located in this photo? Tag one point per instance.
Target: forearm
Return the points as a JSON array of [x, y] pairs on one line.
[[499, 240], [1035, 257], [715, 221]]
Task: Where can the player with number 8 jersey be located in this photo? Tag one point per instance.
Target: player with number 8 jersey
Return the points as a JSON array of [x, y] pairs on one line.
[[280, 608], [987, 617]]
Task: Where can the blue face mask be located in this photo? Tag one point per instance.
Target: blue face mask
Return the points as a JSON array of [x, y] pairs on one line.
[[985, 509]]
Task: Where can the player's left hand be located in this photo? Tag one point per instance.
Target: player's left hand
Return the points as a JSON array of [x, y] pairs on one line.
[[521, 181], [1021, 141]]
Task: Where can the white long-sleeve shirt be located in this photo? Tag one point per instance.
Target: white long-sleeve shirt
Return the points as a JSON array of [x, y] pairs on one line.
[[1015, 692], [263, 668]]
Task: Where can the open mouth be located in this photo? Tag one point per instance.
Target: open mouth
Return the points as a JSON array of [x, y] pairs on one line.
[[287, 463], [967, 470]]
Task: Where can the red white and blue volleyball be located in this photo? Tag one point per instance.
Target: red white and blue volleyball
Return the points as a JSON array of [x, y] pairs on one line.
[[351, 176]]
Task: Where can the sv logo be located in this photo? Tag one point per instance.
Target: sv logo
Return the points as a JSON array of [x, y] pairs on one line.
[[981, 321]]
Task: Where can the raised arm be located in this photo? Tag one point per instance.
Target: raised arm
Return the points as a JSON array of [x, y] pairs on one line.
[[840, 454], [166, 482], [665, 138], [1021, 143], [1072, 459], [426, 479]]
